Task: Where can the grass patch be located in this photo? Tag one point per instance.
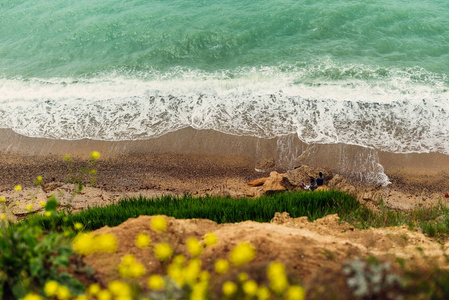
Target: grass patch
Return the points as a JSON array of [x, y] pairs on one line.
[[314, 205]]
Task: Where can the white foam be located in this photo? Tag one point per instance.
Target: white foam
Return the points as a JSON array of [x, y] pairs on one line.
[[392, 110]]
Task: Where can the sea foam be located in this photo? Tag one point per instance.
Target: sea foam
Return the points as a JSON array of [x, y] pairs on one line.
[[393, 110]]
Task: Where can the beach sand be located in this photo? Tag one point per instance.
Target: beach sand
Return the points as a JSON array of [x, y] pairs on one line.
[[195, 161]]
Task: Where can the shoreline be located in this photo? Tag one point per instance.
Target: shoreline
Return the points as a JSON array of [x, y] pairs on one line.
[[194, 161]]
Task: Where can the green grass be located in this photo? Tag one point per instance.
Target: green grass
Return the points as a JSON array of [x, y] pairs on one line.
[[433, 221], [221, 210]]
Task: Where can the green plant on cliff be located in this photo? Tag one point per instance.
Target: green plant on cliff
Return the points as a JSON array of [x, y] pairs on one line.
[[29, 258]]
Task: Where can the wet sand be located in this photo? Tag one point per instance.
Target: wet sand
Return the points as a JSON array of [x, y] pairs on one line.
[[189, 160]]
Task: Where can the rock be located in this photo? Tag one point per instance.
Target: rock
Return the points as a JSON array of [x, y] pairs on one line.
[[301, 175], [322, 188], [341, 184], [257, 182], [265, 164], [274, 183], [280, 218]]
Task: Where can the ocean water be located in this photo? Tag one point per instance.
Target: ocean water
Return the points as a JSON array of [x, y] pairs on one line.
[[372, 73]]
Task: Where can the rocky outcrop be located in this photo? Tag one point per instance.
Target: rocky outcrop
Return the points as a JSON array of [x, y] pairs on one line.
[[274, 183]]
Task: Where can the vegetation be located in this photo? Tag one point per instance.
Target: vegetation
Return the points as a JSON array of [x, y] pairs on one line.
[[37, 253], [221, 210]]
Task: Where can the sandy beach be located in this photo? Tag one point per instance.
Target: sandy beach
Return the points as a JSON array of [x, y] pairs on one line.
[[196, 161]]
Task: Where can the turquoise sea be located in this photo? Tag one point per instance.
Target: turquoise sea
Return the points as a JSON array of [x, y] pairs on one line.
[[372, 73]]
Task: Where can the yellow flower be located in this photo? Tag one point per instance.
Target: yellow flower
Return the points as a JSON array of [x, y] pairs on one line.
[[192, 271], [67, 157], [93, 171], [32, 296], [50, 288], [179, 260], [119, 289], [42, 203], [143, 240], [194, 247], [159, 223], [130, 268], [94, 289], [263, 293], [2, 199], [95, 155], [81, 297], [18, 188], [210, 239], [156, 282], [63, 293], [105, 243], [163, 251], [221, 266], [30, 207], [104, 295], [84, 244], [199, 291], [278, 278], [78, 226], [242, 254], [175, 272], [204, 276], [250, 288], [242, 277], [48, 213], [3, 216], [39, 178], [229, 288], [295, 292]]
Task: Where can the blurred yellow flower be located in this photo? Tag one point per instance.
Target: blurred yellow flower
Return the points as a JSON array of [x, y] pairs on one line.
[[63, 293], [221, 266], [32, 296], [229, 288], [263, 293], [142, 240], [210, 239], [199, 291], [130, 268], [179, 260], [3, 216], [204, 276], [192, 271], [93, 289], [156, 282], [105, 243], [175, 272], [93, 171], [104, 295], [39, 178], [18, 188], [194, 246], [242, 254], [295, 292], [250, 288], [30, 207], [163, 251], [119, 288], [84, 244], [42, 203], [277, 276], [159, 223], [78, 226], [242, 277], [67, 157], [81, 297], [95, 155], [2, 199], [50, 288], [48, 213]]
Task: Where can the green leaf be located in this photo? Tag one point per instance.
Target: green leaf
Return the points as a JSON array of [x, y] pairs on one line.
[[35, 267], [18, 290]]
